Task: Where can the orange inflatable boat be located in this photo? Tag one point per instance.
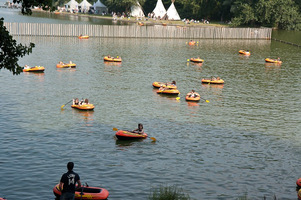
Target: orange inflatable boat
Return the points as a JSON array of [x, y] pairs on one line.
[[246, 53], [215, 81], [191, 43], [83, 107], [169, 91], [66, 65], [85, 193], [127, 135], [269, 60], [112, 59], [193, 98], [83, 37], [164, 85], [34, 69], [196, 60]]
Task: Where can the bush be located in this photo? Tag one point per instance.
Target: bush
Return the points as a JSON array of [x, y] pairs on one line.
[[168, 193]]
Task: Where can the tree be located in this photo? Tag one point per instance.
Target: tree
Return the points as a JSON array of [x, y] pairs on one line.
[[122, 5], [10, 51]]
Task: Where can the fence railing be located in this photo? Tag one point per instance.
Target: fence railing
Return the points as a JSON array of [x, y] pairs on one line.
[[116, 31]]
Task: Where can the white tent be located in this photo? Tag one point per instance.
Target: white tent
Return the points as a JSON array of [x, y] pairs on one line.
[[136, 11], [159, 10], [100, 7], [84, 6], [172, 13], [71, 5]]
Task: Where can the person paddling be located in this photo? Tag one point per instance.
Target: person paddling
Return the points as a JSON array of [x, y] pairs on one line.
[[139, 130]]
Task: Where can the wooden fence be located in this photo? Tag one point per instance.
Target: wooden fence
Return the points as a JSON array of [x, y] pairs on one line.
[[135, 31]]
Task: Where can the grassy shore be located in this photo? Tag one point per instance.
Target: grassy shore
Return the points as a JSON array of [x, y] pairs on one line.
[[145, 20]]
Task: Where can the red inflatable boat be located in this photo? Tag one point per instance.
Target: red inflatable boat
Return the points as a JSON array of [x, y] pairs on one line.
[[126, 135], [85, 193]]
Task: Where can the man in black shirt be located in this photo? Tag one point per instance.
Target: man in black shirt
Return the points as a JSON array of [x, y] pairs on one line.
[[67, 183]]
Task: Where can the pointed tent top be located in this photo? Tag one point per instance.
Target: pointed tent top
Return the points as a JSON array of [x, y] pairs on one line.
[[136, 10], [172, 12], [159, 10], [99, 4], [85, 3], [72, 2]]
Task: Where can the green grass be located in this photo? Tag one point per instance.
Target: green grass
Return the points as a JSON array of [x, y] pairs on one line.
[[168, 193]]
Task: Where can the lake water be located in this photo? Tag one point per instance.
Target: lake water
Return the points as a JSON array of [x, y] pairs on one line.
[[245, 141]]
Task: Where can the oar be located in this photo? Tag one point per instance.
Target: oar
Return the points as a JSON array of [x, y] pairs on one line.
[[65, 104], [207, 101], [81, 193], [152, 138]]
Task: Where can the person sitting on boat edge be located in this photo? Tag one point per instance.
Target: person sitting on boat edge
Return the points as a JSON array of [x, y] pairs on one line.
[[75, 101], [139, 130], [86, 102]]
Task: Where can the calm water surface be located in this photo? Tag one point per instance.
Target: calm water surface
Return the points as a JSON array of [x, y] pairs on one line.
[[246, 141]]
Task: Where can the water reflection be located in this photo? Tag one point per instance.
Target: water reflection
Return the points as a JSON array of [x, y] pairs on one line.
[[192, 104], [84, 115], [272, 65]]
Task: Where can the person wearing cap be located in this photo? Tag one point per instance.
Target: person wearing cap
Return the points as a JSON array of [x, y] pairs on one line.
[[68, 182]]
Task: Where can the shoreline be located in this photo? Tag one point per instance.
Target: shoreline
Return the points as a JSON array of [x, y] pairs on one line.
[[146, 21]]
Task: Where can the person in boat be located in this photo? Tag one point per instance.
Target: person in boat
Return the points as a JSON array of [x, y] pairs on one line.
[[81, 102], [278, 59], [213, 78], [173, 83], [70, 62], [139, 130], [75, 101], [218, 78], [61, 63], [26, 67], [193, 94], [68, 183], [86, 102], [162, 88]]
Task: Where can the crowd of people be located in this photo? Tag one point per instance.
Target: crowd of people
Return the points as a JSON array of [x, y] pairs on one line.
[[82, 102]]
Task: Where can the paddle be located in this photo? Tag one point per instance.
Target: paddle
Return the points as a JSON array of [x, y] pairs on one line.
[[81, 193], [178, 98], [65, 104], [152, 138], [207, 101]]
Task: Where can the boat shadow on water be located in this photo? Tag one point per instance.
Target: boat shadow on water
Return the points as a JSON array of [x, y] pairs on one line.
[[127, 143]]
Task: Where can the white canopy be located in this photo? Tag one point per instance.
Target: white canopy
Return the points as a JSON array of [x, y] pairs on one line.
[[71, 5], [85, 5], [100, 7], [172, 13], [136, 10], [159, 10]]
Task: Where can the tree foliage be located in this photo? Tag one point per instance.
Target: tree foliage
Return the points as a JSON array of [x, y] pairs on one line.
[[10, 51], [282, 14]]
